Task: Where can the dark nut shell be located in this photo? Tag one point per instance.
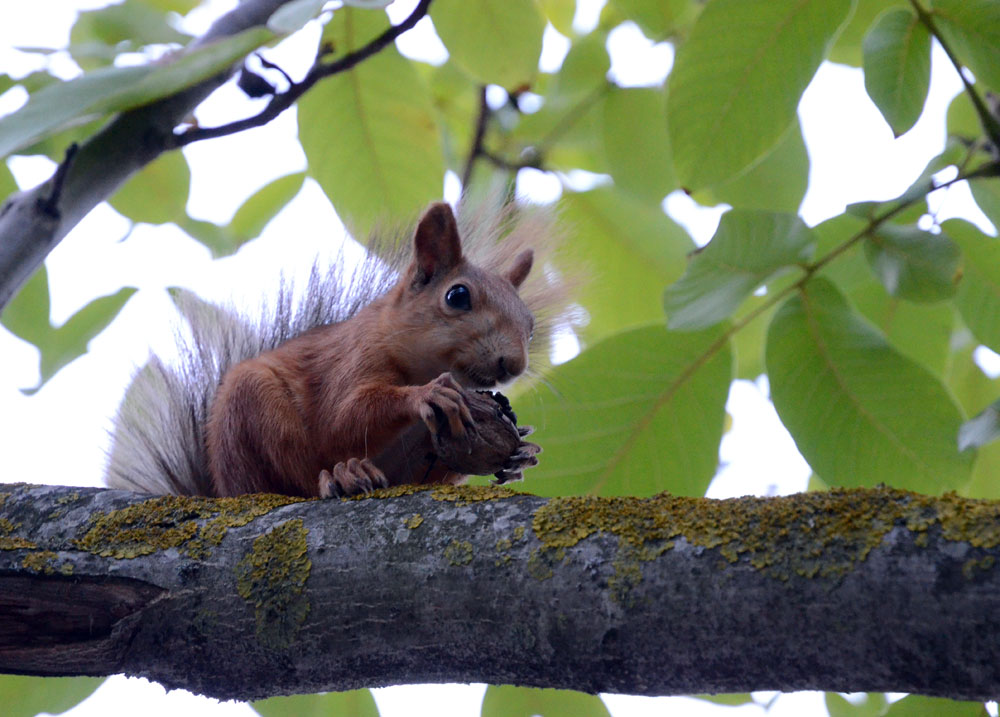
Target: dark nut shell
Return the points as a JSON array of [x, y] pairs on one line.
[[486, 449]]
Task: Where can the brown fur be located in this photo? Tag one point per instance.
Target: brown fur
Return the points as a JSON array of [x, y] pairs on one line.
[[350, 389]]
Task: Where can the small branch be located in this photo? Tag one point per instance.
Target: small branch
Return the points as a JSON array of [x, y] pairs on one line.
[[126, 144], [986, 118], [281, 102], [476, 150], [809, 270], [49, 205]]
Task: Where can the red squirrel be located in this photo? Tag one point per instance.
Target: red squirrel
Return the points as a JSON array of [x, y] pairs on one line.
[[325, 399]]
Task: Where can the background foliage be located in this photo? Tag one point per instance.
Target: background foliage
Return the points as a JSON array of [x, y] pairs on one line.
[[865, 325]]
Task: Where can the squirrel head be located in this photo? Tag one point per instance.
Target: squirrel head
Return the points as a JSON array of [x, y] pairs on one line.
[[461, 318]]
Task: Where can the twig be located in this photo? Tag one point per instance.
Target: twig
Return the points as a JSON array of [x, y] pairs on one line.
[[477, 138], [49, 205], [987, 170], [281, 102], [989, 122]]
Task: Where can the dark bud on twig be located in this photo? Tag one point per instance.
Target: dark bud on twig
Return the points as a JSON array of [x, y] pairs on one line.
[[253, 85]]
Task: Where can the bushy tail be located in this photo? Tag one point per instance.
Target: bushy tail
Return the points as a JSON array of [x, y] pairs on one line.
[[158, 444]]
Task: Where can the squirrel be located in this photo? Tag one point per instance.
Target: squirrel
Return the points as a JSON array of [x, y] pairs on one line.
[[363, 383]]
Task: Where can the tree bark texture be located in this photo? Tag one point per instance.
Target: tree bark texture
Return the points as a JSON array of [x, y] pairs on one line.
[[33, 222], [853, 590]]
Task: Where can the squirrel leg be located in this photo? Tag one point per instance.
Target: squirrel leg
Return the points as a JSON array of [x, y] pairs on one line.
[[351, 477], [256, 438]]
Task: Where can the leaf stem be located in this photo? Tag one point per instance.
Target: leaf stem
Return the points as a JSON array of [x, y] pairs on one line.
[[986, 118]]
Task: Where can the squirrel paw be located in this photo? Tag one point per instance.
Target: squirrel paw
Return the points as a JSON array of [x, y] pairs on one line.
[[525, 456], [351, 477], [443, 396]]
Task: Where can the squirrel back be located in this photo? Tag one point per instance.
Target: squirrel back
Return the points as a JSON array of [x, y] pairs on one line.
[[180, 420]]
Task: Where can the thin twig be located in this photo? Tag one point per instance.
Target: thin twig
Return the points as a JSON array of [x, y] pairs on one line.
[[477, 139], [49, 205], [810, 270], [989, 122], [281, 102]]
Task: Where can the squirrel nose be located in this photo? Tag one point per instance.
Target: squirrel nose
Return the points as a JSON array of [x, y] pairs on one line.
[[508, 367]]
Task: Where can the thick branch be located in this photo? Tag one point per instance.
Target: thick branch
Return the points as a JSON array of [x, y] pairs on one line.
[[30, 227], [863, 590]]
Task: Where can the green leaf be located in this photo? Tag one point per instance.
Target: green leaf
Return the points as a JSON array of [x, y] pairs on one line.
[[962, 119], [748, 247], [636, 142], [159, 193], [7, 184], [872, 705], [357, 703], [70, 340], [370, 134], [456, 98], [495, 41], [637, 413], [736, 82], [918, 706], [897, 63], [982, 429], [113, 89], [921, 332], [986, 192], [860, 412], [584, 68], [777, 183], [27, 314], [130, 25], [913, 264], [294, 15], [630, 252], [510, 701], [560, 13], [659, 19], [568, 130], [262, 206], [978, 297], [23, 696], [847, 47], [972, 30]]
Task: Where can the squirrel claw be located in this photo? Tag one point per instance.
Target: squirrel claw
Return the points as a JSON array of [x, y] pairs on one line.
[[352, 477], [524, 431]]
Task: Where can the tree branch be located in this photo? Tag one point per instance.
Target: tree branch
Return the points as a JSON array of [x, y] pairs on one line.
[[281, 102], [853, 590], [29, 230]]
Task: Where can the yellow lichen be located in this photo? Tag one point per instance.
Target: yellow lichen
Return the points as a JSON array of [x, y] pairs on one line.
[[458, 552], [44, 561], [192, 525], [809, 535], [414, 521], [466, 494], [272, 576]]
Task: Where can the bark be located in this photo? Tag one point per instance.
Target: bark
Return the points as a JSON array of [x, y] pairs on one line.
[[33, 222], [861, 590]]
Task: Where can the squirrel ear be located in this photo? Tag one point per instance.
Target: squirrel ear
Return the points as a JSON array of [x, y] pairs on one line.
[[522, 265], [436, 245]]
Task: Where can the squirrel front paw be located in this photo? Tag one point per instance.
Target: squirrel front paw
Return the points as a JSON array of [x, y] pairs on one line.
[[444, 396], [352, 477], [525, 456]]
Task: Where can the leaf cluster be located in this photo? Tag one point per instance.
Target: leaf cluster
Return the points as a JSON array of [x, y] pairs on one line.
[[866, 325]]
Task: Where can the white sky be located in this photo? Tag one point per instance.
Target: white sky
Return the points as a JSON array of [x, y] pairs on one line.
[[59, 435]]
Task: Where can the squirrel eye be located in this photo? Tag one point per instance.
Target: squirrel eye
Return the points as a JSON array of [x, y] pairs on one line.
[[458, 297]]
